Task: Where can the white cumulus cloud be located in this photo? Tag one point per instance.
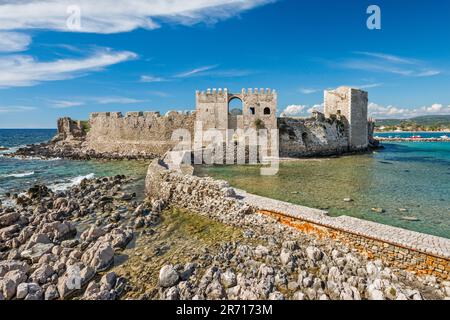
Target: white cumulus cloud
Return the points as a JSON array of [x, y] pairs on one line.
[[390, 111], [294, 110]]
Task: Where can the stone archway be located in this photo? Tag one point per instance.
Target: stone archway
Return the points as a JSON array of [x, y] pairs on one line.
[[235, 110]]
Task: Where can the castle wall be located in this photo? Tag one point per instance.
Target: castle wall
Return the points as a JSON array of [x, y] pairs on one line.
[[343, 127], [69, 129], [308, 137], [136, 133], [212, 109], [350, 105], [359, 121]]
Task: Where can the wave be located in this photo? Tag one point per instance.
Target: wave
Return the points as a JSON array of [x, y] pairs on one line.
[[72, 182], [4, 155], [17, 175], [11, 149]]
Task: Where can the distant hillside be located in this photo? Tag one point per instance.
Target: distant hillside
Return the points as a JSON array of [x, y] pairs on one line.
[[435, 121]]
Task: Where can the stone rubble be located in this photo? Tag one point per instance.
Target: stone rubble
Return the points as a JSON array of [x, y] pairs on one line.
[[46, 254], [61, 245]]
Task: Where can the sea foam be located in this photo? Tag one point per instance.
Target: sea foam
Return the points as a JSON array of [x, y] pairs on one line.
[[17, 175], [72, 182]]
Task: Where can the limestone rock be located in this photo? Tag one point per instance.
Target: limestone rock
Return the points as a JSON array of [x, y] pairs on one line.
[[37, 251], [100, 256], [51, 293], [228, 279], [168, 276], [314, 254]]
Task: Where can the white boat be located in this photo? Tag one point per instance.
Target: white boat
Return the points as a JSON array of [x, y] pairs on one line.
[[445, 137]]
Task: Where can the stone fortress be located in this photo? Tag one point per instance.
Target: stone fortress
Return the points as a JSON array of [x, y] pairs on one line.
[[212, 108], [342, 128]]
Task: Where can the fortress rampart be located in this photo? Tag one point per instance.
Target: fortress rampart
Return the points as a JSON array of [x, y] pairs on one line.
[[312, 137], [259, 108], [136, 132], [343, 127]]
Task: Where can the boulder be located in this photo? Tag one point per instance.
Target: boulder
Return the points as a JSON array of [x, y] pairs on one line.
[[37, 251], [10, 282], [41, 274], [70, 281], [276, 295], [215, 290], [51, 293], [285, 256], [6, 266], [314, 254], [92, 234], [109, 280], [22, 291], [228, 279], [168, 276], [35, 292], [100, 256], [8, 219]]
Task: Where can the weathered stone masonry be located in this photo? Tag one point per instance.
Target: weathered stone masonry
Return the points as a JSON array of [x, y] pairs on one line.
[[136, 132], [343, 128], [398, 248], [212, 108]]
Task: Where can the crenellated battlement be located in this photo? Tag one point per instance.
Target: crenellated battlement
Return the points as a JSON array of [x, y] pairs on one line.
[[254, 108], [137, 114], [224, 91]]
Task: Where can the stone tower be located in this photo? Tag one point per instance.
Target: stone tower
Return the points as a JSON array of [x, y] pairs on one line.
[[212, 108], [351, 106]]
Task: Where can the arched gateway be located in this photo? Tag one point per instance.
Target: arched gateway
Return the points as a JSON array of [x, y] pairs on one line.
[[259, 106]]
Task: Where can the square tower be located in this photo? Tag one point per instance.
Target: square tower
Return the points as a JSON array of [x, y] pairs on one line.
[[351, 105]]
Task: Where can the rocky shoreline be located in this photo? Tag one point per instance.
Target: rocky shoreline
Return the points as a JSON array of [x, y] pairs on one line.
[[95, 241], [73, 150], [58, 245]]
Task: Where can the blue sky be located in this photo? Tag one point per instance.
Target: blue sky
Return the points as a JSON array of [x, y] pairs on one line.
[[149, 55]]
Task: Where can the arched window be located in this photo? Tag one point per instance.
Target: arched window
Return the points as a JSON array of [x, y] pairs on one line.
[[251, 110], [267, 110]]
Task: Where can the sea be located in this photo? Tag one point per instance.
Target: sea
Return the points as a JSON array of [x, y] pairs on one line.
[[18, 175], [405, 179]]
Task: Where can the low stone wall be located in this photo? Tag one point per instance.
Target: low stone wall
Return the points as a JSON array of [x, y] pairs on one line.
[[398, 248], [392, 255], [206, 196]]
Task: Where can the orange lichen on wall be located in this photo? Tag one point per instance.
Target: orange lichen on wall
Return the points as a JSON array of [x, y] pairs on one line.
[[393, 255]]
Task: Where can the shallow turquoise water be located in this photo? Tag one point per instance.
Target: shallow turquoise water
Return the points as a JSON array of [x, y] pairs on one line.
[[411, 134], [413, 176]]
